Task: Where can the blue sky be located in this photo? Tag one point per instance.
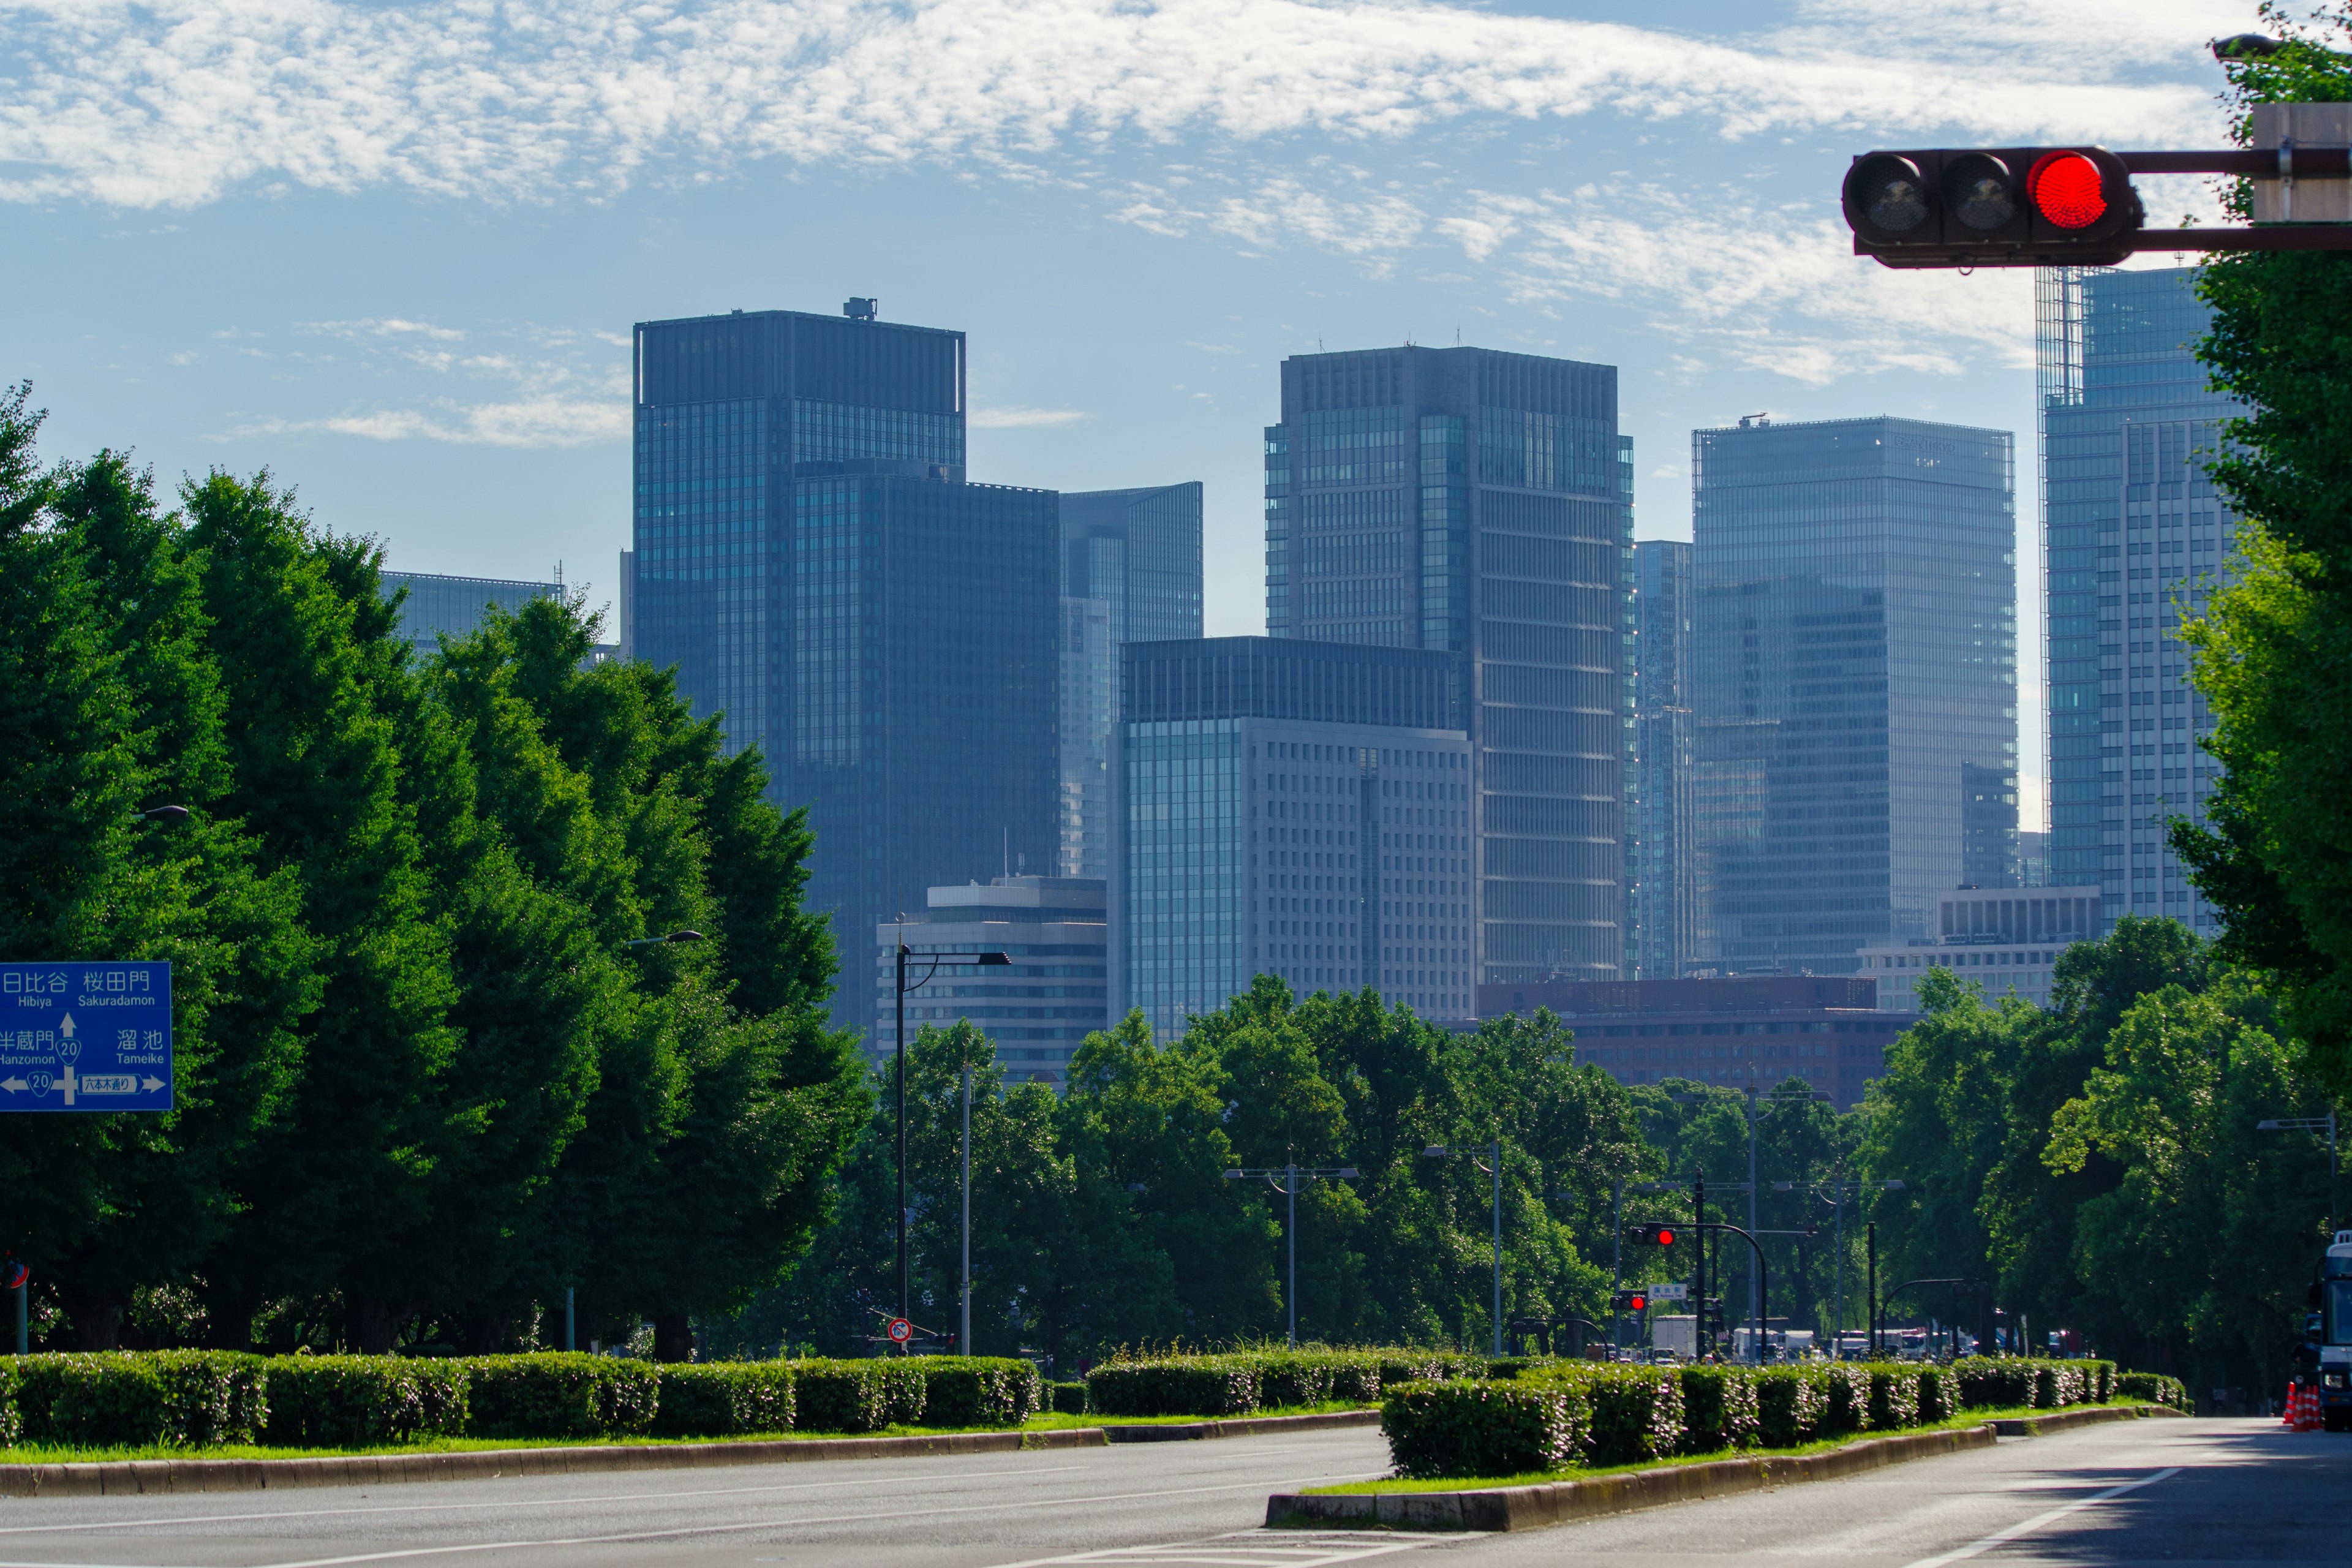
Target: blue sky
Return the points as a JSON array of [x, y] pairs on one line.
[[393, 255]]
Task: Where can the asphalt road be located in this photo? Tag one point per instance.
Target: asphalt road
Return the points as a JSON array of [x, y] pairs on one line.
[[2178, 1492]]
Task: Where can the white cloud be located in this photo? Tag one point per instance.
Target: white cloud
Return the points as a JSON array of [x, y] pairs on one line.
[[181, 101], [1016, 417], [537, 422]]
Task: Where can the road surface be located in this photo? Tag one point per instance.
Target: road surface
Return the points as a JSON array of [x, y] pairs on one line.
[[2178, 1492]]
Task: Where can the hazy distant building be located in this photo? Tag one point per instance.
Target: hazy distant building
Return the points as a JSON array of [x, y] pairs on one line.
[[2004, 939], [1130, 573], [1662, 862], [1038, 1008], [2133, 529], [807, 554], [1290, 808], [439, 605], [1479, 505], [1855, 683], [1734, 1033]]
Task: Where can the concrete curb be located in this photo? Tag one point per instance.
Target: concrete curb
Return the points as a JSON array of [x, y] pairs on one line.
[[1562, 1502], [150, 1477], [1243, 1427], [2067, 1420]]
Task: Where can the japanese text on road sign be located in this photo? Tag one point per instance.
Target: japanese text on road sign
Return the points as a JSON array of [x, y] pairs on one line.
[[85, 1036]]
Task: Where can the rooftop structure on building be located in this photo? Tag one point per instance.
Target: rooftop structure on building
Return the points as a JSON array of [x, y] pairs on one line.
[[1478, 505], [1732, 1032], [1037, 1009], [1290, 808], [2004, 941]]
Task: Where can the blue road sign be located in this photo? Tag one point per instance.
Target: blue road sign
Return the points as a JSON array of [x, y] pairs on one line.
[[85, 1036]]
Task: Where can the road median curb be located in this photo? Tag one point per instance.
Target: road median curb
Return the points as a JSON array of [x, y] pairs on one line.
[[1240, 1426], [1563, 1502], [2066, 1420], [153, 1476]]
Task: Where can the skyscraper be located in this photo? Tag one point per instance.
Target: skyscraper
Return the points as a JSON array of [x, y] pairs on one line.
[[1855, 682], [1662, 866], [1036, 1008], [1291, 808], [436, 605], [1130, 573], [2132, 529], [1478, 505], [807, 554]]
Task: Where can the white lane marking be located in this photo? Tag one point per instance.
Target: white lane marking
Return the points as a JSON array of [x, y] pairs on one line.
[[515, 1502], [2002, 1537], [623, 1537], [1240, 1550]]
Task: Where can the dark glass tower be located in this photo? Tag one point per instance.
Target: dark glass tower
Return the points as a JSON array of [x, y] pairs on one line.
[[1130, 573], [1662, 865], [1480, 504], [1855, 682], [807, 554], [2132, 530]]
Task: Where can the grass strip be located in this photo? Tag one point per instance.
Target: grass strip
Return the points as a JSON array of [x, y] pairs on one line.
[[1820, 1446]]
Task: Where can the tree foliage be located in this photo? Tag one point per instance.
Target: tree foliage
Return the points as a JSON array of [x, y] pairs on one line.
[[424, 1086]]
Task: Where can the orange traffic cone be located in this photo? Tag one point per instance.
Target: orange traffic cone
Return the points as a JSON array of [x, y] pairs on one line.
[[2293, 1403], [2306, 1415]]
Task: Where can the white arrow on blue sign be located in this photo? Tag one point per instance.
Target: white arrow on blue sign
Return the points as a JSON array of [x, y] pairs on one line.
[[85, 1034]]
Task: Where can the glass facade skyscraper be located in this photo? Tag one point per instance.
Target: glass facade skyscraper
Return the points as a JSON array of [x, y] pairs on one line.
[[1037, 1009], [437, 605], [2132, 530], [807, 554], [1479, 505], [1855, 682], [1290, 808], [1130, 573], [1662, 864]]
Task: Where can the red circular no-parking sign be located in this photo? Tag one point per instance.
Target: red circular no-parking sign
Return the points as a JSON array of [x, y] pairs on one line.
[[900, 1330]]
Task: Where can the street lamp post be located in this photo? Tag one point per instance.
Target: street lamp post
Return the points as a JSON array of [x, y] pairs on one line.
[[1754, 1113], [2312, 1124], [1284, 1179], [1838, 1187], [1493, 1166], [905, 1298]]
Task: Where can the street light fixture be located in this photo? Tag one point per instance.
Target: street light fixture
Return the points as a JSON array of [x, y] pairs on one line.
[[1284, 1179], [165, 814], [1493, 1166], [662, 941], [1838, 1188], [905, 1299], [2311, 1124]]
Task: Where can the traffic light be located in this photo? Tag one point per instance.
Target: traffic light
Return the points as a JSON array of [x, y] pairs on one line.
[[1630, 1300], [2004, 206], [1652, 1234]]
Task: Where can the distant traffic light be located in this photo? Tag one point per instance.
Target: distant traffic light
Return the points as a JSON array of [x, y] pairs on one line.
[[1651, 1234], [1630, 1300], [2007, 206]]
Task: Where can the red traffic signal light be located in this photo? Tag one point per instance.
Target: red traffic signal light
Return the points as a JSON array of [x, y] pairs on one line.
[[1631, 1300], [2006, 206], [1651, 1234]]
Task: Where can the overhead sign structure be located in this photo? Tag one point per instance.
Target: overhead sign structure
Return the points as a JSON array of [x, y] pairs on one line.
[[85, 1036], [1673, 1290]]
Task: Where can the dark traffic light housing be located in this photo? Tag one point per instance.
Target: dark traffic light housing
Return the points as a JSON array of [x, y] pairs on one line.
[[2001, 207], [1630, 1302], [1652, 1234]]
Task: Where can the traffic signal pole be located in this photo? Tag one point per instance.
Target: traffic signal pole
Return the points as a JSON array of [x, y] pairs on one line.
[[1617, 1267], [1702, 1341]]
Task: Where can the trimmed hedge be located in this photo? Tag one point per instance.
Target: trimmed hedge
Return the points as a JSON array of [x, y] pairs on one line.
[[1242, 1381], [1720, 1409], [350, 1400], [859, 1395], [1069, 1398], [562, 1393], [1485, 1428], [979, 1390], [176, 1398], [1632, 1415], [722, 1398], [2153, 1386]]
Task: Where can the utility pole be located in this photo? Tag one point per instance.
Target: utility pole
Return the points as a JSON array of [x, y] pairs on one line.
[[1702, 1340], [1617, 1267], [963, 1333], [1493, 1166], [1870, 1306], [1284, 1179]]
